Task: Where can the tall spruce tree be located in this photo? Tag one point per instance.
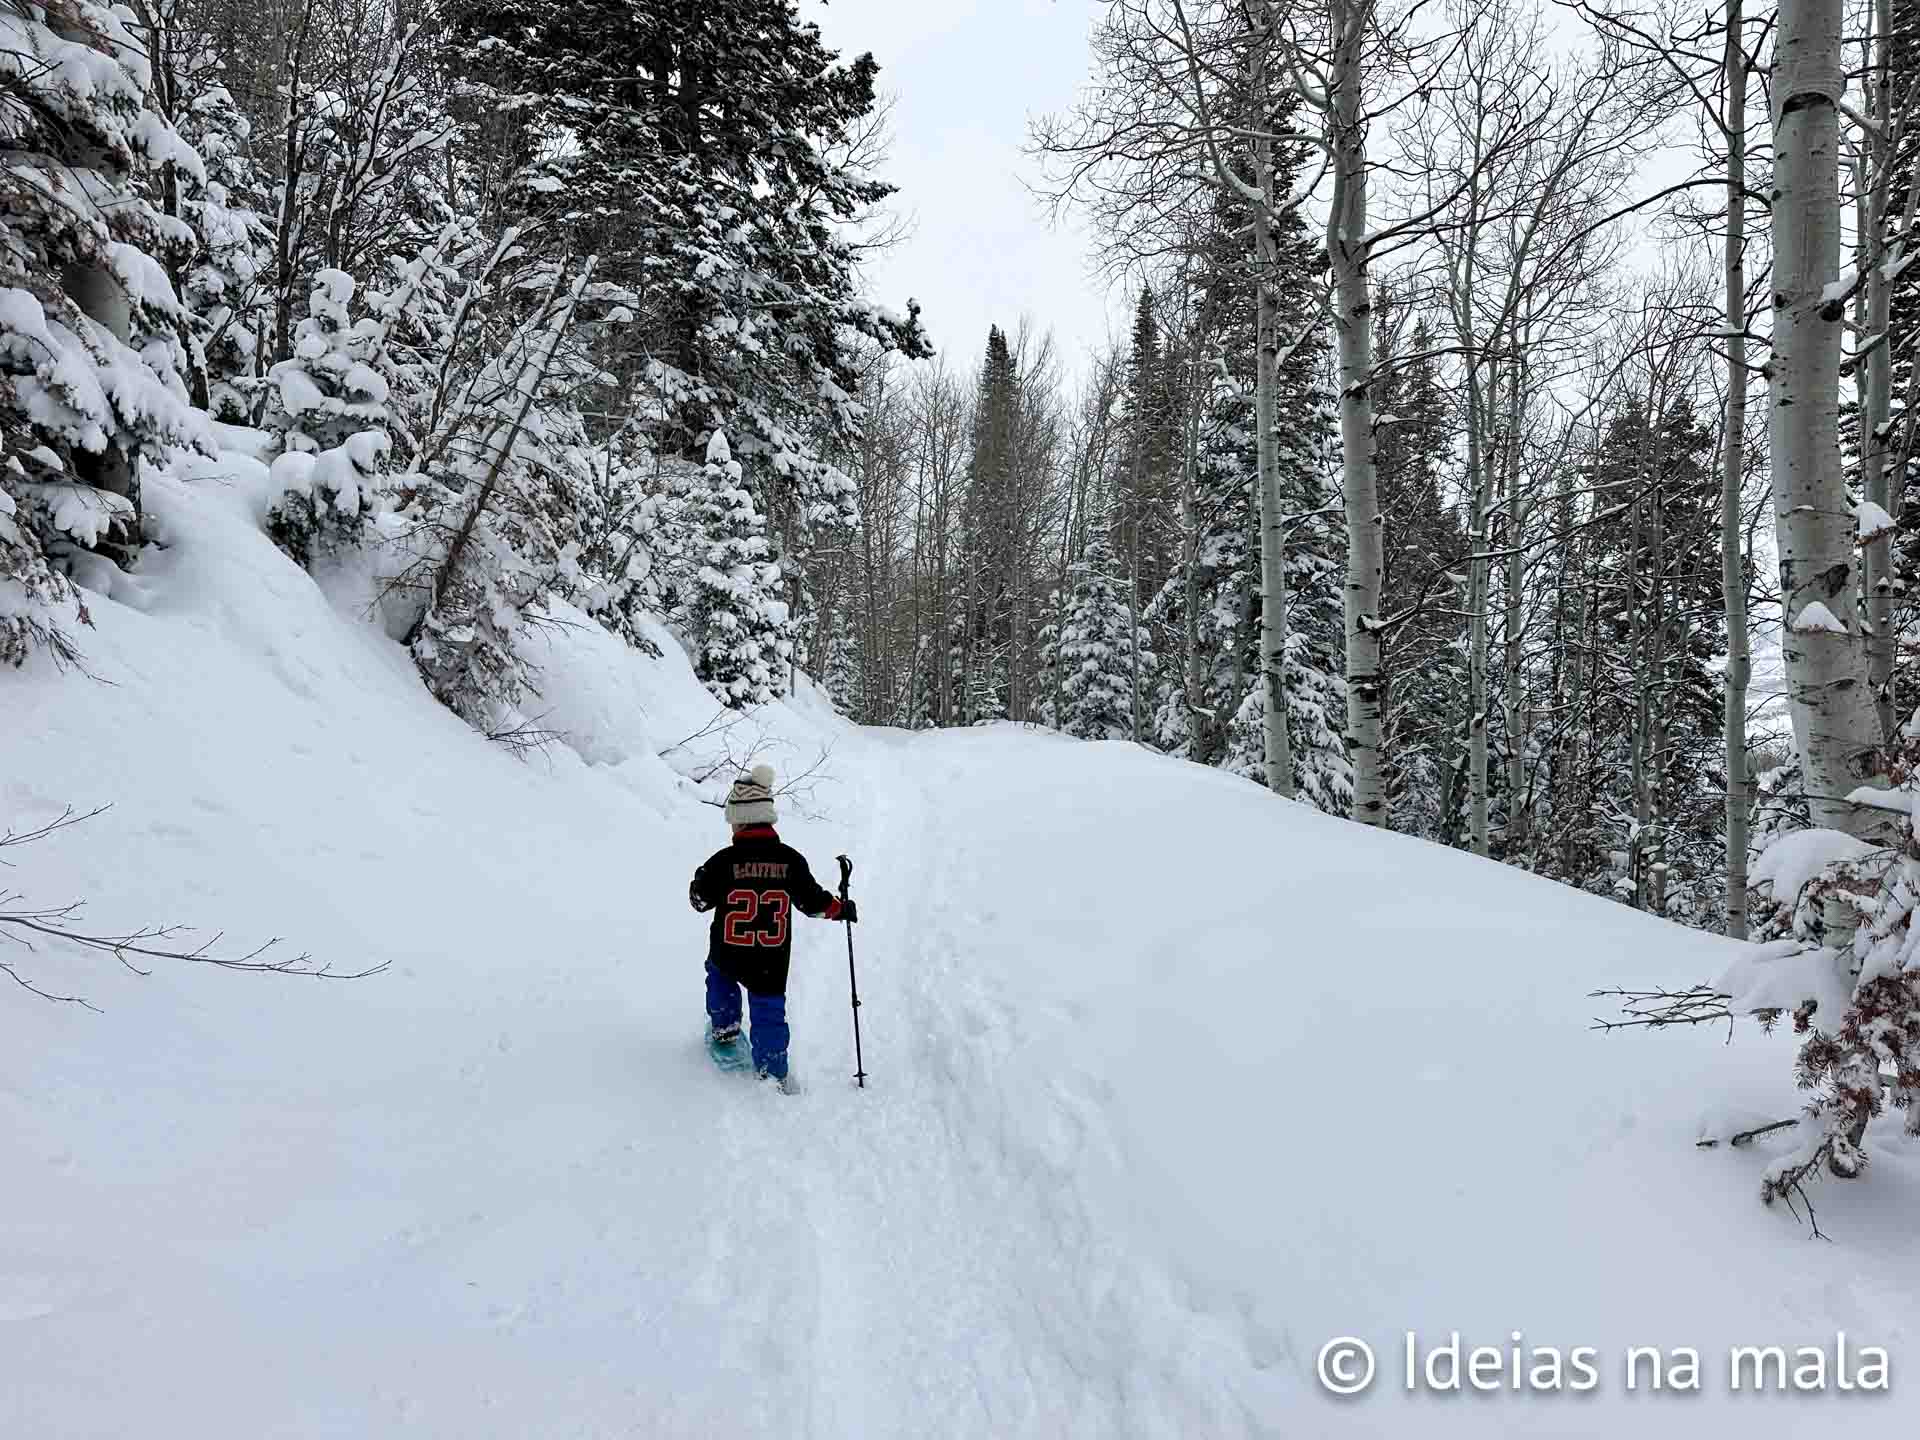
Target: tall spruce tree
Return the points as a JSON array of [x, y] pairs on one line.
[[1424, 544], [741, 635], [988, 558], [1225, 727], [696, 150], [1100, 650], [1145, 507], [1638, 804]]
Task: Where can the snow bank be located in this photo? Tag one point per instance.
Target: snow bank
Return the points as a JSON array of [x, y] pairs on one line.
[[1342, 1084]]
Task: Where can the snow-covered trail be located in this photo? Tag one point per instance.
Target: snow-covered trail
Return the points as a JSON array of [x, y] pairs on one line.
[[918, 1252]]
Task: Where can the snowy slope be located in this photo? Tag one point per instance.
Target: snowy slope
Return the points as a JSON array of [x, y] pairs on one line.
[[1171, 1083]]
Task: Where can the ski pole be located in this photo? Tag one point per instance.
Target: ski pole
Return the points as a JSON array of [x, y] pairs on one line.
[[853, 984]]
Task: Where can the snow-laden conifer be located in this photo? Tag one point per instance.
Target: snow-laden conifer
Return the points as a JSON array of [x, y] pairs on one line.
[[224, 287], [90, 324], [491, 517], [330, 410], [740, 630], [1099, 651]]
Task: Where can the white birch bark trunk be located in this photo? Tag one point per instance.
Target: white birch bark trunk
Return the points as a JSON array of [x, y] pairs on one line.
[[1831, 702]]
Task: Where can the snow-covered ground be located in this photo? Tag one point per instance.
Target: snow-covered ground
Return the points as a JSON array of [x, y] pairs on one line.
[[1171, 1083]]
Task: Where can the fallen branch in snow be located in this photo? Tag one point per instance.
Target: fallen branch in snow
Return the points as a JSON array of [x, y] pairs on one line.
[[18, 920], [524, 736], [1747, 1137], [1657, 1009], [1787, 1191]]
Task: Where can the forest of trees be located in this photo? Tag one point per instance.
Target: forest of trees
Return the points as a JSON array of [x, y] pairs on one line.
[[1498, 379]]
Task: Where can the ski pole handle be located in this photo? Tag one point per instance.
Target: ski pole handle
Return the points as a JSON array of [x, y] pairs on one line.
[[846, 874]]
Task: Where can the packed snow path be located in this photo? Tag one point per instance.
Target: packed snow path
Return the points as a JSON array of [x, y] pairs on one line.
[[919, 1249], [1171, 1083]]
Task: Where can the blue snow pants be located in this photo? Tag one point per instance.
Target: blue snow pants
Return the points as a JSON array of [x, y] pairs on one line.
[[767, 1015]]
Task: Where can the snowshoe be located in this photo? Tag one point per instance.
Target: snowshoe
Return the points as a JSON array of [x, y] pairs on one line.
[[729, 1048]]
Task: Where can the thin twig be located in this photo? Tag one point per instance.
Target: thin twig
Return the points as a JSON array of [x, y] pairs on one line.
[[1747, 1137]]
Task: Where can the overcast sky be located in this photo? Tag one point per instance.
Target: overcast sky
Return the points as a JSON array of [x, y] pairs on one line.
[[965, 75]]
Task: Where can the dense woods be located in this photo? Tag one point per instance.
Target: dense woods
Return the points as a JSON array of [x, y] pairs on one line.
[[1506, 392]]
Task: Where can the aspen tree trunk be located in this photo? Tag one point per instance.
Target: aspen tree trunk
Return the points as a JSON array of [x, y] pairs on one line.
[[1831, 703], [1567, 652], [1733, 578], [1199, 730], [1079, 498], [1278, 749], [1463, 278], [1347, 248], [1512, 619], [1480, 468], [1654, 682]]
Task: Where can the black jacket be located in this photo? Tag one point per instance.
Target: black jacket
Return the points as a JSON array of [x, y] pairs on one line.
[[753, 887]]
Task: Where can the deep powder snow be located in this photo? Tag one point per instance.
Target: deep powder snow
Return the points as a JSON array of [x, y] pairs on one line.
[[1171, 1083]]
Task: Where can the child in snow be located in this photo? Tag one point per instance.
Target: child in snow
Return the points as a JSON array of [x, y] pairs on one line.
[[752, 887]]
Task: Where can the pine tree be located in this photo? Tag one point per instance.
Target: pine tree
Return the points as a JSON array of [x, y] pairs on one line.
[[840, 675], [1643, 785], [90, 324], [988, 560], [1232, 705], [922, 700], [741, 635], [492, 520], [1098, 651], [224, 288], [1427, 697], [1143, 510], [329, 408], [629, 528], [705, 170]]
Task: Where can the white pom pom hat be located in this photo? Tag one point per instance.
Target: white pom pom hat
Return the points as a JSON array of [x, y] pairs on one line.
[[750, 801]]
